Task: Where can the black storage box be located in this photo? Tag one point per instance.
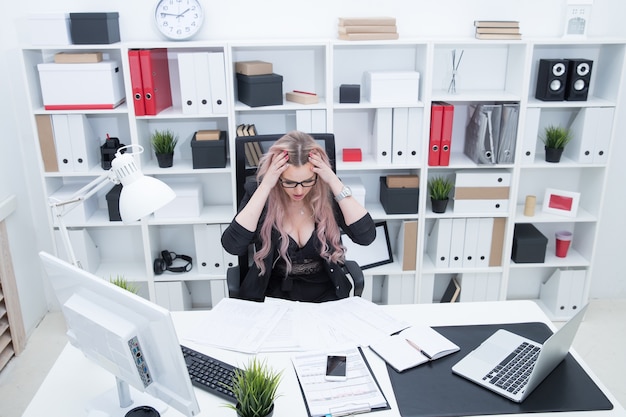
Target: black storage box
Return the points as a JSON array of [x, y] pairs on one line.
[[260, 90], [94, 28], [113, 203], [349, 93], [529, 244], [209, 153], [398, 200]]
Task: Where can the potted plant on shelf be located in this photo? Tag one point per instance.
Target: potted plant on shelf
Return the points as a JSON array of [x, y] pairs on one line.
[[163, 143], [123, 283], [554, 139], [255, 389], [439, 190]]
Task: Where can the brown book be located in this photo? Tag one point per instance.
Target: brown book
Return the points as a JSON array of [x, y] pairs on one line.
[[241, 130], [497, 30], [45, 132], [368, 29], [498, 36], [497, 23], [251, 158], [497, 241], [77, 58], [367, 21], [409, 245], [367, 36]]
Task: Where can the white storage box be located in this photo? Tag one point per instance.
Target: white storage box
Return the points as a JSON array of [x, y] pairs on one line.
[[482, 191], [357, 187], [50, 29], [173, 295], [392, 86], [188, 202], [81, 86], [80, 212]]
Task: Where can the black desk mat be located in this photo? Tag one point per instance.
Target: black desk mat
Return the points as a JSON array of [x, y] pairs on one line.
[[432, 390]]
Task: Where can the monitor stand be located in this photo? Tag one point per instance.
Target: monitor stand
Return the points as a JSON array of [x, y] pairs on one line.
[[118, 401]]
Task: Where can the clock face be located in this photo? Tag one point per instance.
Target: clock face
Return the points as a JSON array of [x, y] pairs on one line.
[[178, 19]]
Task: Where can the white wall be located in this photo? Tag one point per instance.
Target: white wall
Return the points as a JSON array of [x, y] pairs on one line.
[[245, 19]]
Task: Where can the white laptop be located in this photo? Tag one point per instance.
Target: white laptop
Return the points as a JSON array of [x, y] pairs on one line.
[[485, 364]]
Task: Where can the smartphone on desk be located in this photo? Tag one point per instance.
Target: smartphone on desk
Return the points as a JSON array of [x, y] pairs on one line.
[[336, 367]]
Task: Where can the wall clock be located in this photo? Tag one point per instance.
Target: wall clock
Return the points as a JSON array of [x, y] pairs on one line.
[[178, 19]]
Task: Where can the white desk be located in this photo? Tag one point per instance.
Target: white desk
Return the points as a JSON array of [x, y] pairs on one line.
[[73, 379]]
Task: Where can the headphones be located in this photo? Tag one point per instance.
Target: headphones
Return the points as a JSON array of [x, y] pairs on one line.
[[164, 263]]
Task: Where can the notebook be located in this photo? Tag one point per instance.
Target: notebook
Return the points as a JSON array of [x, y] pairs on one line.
[[488, 364]]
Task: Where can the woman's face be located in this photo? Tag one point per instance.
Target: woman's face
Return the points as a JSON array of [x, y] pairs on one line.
[[302, 177]]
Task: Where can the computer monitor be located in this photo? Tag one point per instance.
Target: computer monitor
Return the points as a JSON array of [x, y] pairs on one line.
[[128, 336]]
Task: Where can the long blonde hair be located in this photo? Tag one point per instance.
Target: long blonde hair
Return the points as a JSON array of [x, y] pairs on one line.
[[298, 145]]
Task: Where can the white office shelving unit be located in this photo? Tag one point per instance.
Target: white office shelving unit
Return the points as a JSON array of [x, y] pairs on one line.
[[490, 72]]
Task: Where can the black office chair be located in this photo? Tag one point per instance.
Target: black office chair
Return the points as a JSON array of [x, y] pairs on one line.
[[247, 151]]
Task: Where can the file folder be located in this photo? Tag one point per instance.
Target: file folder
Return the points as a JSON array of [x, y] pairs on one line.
[[482, 133], [136, 82], [530, 140], [399, 141], [508, 134], [209, 252], [483, 241], [383, 123], [414, 138], [187, 82], [436, 120], [84, 143], [446, 134], [470, 245], [457, 243], [63, 142], [217, 77], [201, 79], [155, 75], [438, 246], [45, 132], [591, 135]]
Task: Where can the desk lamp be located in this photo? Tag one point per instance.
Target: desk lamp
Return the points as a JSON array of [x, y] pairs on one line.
[[140, 195]]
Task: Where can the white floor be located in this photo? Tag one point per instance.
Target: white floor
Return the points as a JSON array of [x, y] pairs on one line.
[[600, 341]]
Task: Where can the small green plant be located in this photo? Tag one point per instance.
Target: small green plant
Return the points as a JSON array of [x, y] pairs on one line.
[[439, 188], [164, 141], [556, 137], [255, 389], [121, 282]]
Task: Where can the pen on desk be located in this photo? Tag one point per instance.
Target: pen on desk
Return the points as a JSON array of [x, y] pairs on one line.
[[419, 349]]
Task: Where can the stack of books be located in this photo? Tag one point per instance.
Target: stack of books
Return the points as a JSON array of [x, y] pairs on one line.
[[367, 28], [497, 29]]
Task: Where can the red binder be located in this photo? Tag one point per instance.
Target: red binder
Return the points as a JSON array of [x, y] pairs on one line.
[[155, 74], [436, 118], [446, 134], [136, 82]]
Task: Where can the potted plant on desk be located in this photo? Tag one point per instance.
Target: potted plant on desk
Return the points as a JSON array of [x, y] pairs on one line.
[[163, 143], [255, 389], [439, 190], [554, 139]]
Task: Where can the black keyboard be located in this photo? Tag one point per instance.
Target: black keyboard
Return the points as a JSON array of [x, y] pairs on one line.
[[513, 372], [210, 374]]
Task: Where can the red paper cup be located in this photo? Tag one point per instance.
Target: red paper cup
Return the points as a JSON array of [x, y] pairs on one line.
[[563, 240]]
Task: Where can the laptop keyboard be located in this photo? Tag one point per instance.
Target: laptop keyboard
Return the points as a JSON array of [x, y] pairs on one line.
[[513, 372]]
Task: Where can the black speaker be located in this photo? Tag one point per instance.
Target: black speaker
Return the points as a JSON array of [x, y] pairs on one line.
[[578, 77], [551, 79], [164, 263]]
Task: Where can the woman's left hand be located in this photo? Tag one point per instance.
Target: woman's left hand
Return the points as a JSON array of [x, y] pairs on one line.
[[321, 168]]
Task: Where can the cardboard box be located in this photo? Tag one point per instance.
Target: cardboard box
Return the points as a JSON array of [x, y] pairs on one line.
[[208, 153], [302, 98], [398, 200], [81, 86], [349, 93], [392, 86], [403, 181], [207, 135], [260, 90], [78, 57], [529, 244], [50, 29], [254, 67], [94, 28], [188, 202]]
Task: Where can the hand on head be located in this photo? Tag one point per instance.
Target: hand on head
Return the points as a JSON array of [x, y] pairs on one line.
[[278, 164], [321, 168]]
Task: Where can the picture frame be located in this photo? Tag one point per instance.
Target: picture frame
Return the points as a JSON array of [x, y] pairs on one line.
[[576, 19], [376, 254], [560, 202]]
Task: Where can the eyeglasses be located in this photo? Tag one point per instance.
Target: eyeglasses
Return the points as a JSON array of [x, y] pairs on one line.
[[293, 184]]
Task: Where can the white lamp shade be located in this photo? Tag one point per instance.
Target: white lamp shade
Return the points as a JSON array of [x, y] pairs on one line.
[[143, 196]]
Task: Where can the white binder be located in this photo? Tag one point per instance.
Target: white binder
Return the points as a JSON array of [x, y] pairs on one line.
[[530, 138], [187, 76], [318, 121], [591, 135], [209, 251], [218, 82], [382, 135], [414, 135], [438, 246], [84, 143], [202, 75], [398, 289], [470, 247], [483, 241], [399, 135], [457, 243], [63, 142], [229, 260]]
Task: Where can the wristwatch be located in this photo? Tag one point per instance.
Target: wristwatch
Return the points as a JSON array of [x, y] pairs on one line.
[[345, 192]]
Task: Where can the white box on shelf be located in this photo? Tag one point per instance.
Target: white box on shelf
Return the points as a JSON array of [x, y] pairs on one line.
[[392, 86], [50, 29], [91, 86], [174, 295], [188, 202], [357, 187], [78, 213]]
